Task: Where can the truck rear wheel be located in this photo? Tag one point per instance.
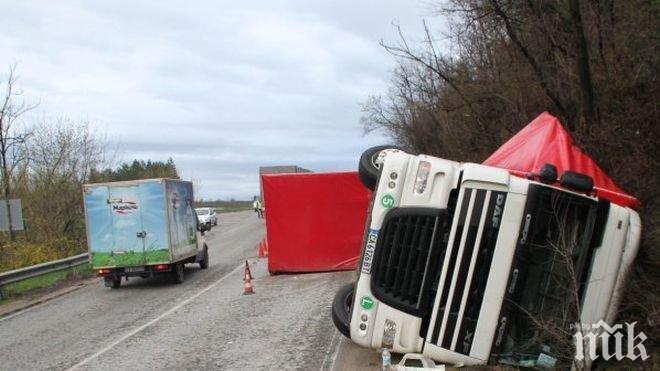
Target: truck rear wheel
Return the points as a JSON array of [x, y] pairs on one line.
[[368, 170], [204, 263], [341, 309], [116, 283], [178, 272]]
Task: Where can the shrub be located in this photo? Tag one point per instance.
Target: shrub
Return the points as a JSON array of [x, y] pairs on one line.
[[24, 253]]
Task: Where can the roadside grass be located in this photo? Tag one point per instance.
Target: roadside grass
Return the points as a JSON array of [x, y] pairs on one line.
[[45, 280]]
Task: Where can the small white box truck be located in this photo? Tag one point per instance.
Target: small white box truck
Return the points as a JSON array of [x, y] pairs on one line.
[[142, 228]]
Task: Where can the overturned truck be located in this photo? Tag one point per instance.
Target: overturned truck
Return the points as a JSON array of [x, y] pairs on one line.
[[466, 263]]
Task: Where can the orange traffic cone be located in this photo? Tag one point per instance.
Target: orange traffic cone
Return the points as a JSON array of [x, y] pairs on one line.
[[262, 248], [247, 278]]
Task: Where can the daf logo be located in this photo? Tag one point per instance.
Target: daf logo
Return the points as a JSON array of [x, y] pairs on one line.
[[497, 212]]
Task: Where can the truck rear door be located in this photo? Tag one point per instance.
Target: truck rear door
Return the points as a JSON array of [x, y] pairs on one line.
[[127, 229]]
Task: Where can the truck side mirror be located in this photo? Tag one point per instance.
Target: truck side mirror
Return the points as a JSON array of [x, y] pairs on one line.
[[577, 181], [548, 174]]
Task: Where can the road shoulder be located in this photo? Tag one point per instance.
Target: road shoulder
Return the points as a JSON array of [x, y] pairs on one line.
[[350, 356], [17, 304]]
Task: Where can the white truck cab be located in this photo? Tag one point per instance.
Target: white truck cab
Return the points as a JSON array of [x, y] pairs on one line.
[[459, 257]]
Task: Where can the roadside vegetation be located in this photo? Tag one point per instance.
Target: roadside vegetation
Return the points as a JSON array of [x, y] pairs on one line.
[[594, 64], [138, 169], [45, 164]]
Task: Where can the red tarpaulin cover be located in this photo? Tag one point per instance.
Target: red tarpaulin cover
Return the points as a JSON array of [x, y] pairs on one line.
[[545, 141], [315, 221]]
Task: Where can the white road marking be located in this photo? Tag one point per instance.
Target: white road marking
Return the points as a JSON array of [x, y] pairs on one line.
[[328, 351], [335, 356], [160, 317]]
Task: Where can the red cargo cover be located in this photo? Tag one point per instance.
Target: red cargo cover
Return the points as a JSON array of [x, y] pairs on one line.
[[315, 221], [545, 141]]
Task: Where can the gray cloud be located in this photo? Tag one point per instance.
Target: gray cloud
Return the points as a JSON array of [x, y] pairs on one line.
[[222, 87]]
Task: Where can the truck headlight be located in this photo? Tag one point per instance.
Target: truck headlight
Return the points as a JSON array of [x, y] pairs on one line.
[[389, 332], [422, 178]]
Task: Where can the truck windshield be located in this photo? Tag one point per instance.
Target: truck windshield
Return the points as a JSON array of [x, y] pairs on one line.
[[552, 261]]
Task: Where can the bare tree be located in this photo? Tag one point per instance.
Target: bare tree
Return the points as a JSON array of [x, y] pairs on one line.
[[551, 301], [62, 155], [12, 139]]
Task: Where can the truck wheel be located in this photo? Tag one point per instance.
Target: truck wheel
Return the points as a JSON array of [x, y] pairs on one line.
[[368, 170], [204, 263], [341, 309], [177, 272], [116, 283]]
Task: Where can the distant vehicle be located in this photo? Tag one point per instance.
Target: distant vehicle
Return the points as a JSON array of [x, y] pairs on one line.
[[143, 228], [207, 216], [460, 259]]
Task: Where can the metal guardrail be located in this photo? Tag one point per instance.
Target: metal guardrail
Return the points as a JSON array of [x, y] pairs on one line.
[[21, 274]]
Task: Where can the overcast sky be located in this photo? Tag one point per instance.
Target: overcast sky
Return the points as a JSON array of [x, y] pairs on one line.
[[221, 87]]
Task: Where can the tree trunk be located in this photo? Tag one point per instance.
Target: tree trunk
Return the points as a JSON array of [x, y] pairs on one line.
[[590, 113]]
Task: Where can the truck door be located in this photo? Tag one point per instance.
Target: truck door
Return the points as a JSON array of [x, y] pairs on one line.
[[127, 227]]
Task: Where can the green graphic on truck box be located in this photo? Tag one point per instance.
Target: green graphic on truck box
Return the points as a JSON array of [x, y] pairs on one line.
[[104, 259]]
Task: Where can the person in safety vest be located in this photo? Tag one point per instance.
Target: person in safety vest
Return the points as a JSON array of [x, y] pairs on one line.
[[258, 208]]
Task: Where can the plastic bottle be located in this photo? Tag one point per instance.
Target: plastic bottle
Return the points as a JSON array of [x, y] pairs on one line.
[[387, 359]]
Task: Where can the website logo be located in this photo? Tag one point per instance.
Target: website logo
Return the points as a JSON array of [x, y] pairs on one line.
[[626, 342]]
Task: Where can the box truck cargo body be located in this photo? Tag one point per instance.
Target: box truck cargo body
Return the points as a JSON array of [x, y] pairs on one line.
[[142, 227]]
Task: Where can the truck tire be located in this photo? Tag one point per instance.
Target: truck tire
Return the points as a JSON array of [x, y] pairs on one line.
[[116, 283], [178, 272], [367, 168], [204, 263], [341, 309]]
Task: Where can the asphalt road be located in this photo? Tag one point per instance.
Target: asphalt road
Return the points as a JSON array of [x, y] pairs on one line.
[[203, 323], [64, 332]]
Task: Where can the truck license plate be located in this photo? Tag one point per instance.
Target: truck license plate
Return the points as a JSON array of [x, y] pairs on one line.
[[134, 269]]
